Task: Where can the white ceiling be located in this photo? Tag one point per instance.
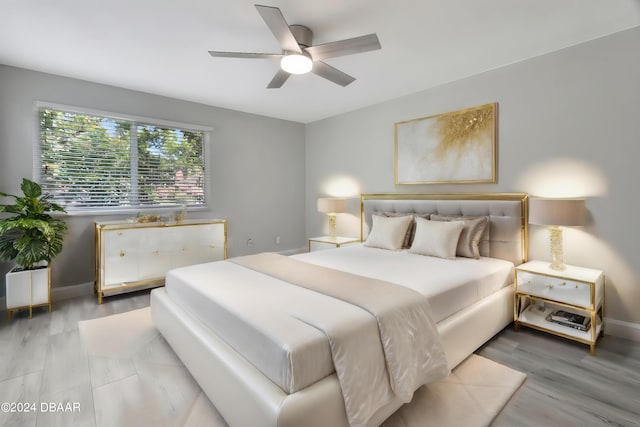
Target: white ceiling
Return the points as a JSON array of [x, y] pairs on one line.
[[160, 46]]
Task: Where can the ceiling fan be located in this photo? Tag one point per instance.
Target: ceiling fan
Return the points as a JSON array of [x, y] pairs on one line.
[[298, 55]]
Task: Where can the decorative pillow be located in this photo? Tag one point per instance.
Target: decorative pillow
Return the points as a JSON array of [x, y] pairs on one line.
[[469, 243], [408, 238], [388, 232], [436, 238]]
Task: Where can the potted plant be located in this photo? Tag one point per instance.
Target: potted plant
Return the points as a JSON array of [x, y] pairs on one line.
[[31, 237]]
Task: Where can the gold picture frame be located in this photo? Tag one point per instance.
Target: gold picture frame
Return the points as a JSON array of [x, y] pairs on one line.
[[458, 147]]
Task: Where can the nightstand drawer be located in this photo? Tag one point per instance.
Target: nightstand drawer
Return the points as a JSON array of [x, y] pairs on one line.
[[554, 288]]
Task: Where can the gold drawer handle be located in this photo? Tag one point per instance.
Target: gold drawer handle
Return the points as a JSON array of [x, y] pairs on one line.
[[212, 246], [563, 284], [121, 253], [549, 287]]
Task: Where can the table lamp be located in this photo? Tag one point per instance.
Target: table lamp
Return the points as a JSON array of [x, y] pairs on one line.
[[557, 213], [332, 206]]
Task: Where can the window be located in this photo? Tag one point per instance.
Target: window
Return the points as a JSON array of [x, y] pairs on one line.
[[102, 162]]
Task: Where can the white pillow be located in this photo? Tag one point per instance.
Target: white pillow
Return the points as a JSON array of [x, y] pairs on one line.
[[388, 232], [469, 242], [436, 238]]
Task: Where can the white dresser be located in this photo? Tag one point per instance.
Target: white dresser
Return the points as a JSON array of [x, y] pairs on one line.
[[132, 255]]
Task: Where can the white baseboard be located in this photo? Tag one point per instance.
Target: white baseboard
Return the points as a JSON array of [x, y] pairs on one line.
[[66, 292], [620, 329], [294, 251]]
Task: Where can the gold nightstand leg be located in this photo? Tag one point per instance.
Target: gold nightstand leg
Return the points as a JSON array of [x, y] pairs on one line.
[[592, 347], [30, 312]]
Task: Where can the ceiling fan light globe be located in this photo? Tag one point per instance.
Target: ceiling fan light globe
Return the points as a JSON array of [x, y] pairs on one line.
[[296, 64]]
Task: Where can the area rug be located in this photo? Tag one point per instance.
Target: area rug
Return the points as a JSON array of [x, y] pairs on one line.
[[137, 380]]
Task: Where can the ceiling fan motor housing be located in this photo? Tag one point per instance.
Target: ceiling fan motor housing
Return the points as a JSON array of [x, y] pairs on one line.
[[302, 34]]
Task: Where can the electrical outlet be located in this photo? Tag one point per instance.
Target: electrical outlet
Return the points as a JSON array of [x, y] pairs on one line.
[[249, 242], [277, 240]]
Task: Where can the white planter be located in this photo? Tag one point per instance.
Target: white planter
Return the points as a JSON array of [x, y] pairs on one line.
[[28, 289]]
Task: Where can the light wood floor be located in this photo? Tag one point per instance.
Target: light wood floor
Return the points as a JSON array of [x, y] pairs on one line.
[[566, 385], [41, 361]]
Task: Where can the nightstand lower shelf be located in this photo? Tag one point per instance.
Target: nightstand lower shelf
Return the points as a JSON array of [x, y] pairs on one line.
[[534, 317]]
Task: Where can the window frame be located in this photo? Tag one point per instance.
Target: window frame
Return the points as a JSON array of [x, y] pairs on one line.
[[139, 120]]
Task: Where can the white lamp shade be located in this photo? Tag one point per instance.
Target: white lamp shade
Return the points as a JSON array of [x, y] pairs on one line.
[[560, 212], [332, 205]]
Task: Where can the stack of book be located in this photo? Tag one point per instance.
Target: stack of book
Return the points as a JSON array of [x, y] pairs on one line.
[[571, 320]]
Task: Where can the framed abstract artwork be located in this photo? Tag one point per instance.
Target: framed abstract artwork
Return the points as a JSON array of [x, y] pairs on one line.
[[455, 147]]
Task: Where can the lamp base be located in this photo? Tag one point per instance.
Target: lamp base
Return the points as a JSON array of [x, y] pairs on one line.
[[332, 225], [557, 259]]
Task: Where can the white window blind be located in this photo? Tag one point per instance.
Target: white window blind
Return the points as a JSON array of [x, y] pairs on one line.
[[96, 162]]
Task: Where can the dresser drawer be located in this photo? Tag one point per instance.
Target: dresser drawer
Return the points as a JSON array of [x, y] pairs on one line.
[[555, 288]]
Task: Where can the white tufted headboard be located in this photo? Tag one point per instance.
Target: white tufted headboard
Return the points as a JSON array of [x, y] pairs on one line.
[[507, 234]]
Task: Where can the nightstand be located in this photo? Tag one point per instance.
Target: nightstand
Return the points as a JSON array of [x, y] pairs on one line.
[[541, 291], [326, 242]]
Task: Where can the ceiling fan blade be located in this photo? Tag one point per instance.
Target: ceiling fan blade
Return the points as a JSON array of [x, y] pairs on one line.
[[243, 55], [278, 80], [344, 47], [333, 74], [279, 27]]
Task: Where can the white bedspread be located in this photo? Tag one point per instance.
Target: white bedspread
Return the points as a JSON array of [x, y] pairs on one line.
[[265, 320], [412, 354], [450, 285]]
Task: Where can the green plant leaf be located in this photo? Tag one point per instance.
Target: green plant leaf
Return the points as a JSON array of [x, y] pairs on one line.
[[7, 251], [30, 188], [10, 209], [34, 253], [8, 224]]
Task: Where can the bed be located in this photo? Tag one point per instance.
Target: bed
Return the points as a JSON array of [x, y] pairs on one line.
[[247, 337]]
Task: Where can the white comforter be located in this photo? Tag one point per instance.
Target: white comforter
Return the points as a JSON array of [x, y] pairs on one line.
[[388, 349]]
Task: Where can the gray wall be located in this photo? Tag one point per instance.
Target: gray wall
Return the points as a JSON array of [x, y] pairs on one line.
[[257, 164], [568, 126]]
